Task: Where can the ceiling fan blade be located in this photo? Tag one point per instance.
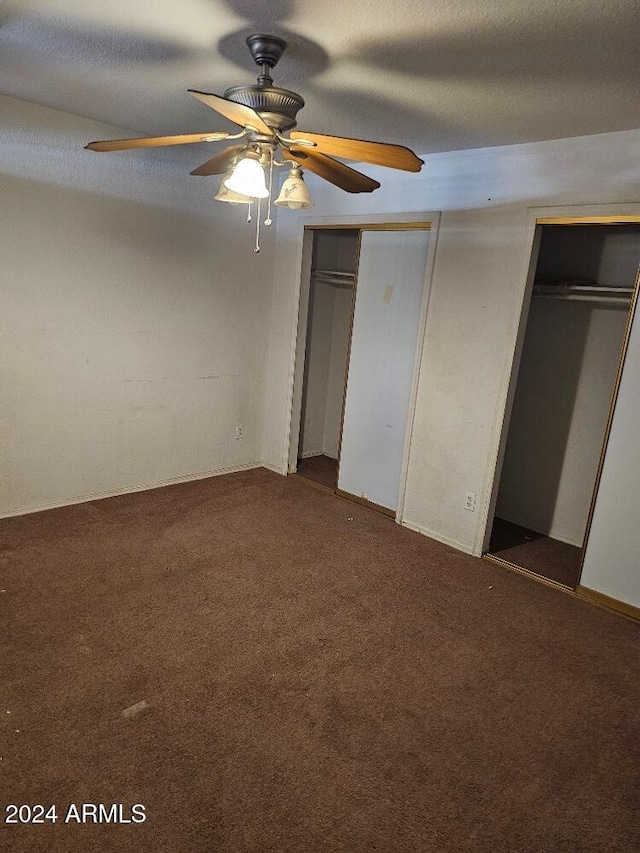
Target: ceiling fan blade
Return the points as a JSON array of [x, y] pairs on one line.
[[332, 170], [237, 113], [155, 141], [380, 153], [219, 164]]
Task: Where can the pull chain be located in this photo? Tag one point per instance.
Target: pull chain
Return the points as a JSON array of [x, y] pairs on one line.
[[257, 248], [267, 221], [249, 212]]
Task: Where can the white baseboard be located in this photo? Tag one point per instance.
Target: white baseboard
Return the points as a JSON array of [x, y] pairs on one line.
[[552, 534], [309, 453], [561, 537], [443, 539], [144, 487], [277, 469]]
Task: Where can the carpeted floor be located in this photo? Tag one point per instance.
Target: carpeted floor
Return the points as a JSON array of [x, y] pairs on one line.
[[316, 678], [319, 469], [541, 554]]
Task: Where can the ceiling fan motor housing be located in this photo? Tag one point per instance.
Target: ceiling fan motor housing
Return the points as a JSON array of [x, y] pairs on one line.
[[276, 107]]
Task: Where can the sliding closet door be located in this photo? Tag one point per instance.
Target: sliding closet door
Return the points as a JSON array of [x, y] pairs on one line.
[[391, 273]]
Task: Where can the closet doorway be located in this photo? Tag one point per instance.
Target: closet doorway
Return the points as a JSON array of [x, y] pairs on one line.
[[331, 299], [584, 289], [364, 318]]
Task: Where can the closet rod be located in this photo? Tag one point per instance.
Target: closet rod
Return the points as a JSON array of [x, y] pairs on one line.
[[595, 288], [622, 301], [583, 292], [333, 272]]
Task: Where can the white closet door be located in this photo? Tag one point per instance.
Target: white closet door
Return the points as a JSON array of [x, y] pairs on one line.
[[391, 273]]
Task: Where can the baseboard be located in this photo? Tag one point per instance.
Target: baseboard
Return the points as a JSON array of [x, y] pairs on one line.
[[603, 600], [277, 469], [145, 487], [308, 454], [552, 534], [567, 540], [443, 539]]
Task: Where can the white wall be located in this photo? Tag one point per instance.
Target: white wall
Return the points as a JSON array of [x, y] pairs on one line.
[[477, 290], [132, 331], [565, 384]]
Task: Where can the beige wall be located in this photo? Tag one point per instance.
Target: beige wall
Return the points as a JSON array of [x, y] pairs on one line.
[[133, 331]]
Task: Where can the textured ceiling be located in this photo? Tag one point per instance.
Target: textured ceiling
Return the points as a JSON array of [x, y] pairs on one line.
[[432, 74]]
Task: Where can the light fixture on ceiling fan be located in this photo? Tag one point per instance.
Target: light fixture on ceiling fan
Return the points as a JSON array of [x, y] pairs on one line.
[[294, 193], [265, 113]]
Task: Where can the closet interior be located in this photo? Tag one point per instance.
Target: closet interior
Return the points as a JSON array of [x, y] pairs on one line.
[[585, 278], [331, 297]]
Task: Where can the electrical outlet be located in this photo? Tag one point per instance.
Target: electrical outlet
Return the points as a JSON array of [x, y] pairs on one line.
[[239, 432], [470, 501]]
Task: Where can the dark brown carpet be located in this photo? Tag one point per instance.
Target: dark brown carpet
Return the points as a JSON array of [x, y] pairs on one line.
[[320, 469], [317, 679], [534, 551]]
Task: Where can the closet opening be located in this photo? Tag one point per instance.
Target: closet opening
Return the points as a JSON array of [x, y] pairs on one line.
[[331, 299], [363, 299], [579, 314]]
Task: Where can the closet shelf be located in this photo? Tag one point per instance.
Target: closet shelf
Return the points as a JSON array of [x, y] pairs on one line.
[[333, 277], [583, 291]]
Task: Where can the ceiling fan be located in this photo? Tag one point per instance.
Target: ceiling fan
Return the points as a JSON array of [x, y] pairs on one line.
[[264, 113]]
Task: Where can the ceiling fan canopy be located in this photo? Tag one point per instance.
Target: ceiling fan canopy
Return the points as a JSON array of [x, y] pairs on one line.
[[264, 113]]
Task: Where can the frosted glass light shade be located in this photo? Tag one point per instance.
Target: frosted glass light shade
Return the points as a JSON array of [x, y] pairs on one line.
[[230, 196], [294, 193], [248, 179]]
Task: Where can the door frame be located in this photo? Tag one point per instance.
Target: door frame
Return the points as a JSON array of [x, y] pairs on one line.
[[611, 214], [426, 221]]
